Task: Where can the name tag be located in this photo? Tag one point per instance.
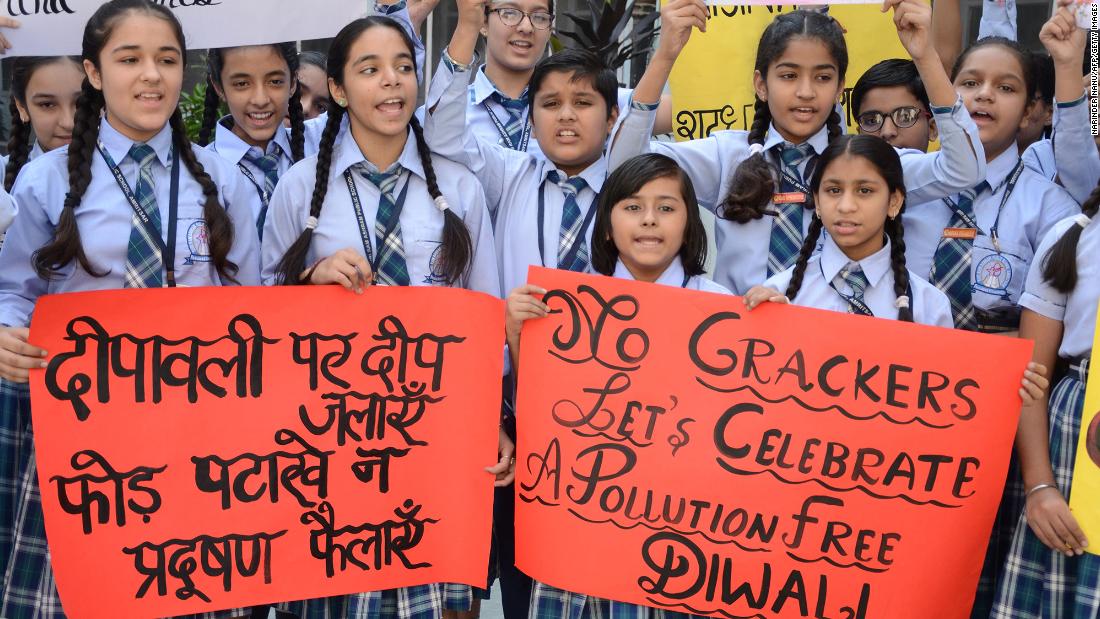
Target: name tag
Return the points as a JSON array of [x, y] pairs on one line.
[[960, 233], [789, 198]]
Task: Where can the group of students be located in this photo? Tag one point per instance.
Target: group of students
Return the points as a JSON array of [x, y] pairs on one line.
[[544, 160]]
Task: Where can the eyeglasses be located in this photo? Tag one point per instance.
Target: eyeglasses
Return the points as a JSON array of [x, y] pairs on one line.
[[540, 20], [903, 118]]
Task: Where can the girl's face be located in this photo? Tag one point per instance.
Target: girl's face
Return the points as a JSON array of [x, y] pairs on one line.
[[853, 203], [379, 84], [51, 102], [256, 85], [648, 227], [140, 74], [991, 83], [314, 84], [515, 48], [802, 87]]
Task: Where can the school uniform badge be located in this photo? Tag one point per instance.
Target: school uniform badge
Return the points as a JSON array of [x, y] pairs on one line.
[[994, 274], [198, 242]]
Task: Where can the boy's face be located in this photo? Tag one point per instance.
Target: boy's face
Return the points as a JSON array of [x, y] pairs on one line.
[[516, 48], [884, 100], [570, 121]]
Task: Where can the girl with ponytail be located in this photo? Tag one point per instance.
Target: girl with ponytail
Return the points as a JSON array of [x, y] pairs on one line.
[[756, 181], [77, 229], [373, 206], [258, 83]]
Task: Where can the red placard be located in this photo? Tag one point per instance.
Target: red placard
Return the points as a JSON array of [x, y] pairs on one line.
[[681, 452], [201, 449]]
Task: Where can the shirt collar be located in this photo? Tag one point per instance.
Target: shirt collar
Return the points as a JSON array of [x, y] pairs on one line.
[[347, 154], [998, 169], [819, 141], [233, 148], [673, 275], [594, 175], [483, 87], [874, 266], [36, 151], [118, 146]]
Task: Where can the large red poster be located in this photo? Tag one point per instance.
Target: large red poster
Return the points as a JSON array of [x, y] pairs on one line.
[[681, 452], [209, 448]]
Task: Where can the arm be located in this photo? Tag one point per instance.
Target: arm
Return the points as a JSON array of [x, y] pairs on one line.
[[998, 19], [947, 31], [1075, 153], [400, 12], [20, 286]]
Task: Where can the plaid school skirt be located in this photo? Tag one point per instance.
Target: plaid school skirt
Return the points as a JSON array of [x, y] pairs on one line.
[[1039, 582], [548, 602], [419, 602], [15, 443], [1000, 541]]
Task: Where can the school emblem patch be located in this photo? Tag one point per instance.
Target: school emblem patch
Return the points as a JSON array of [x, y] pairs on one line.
[[994, 274], [198, 244], [435, 275]]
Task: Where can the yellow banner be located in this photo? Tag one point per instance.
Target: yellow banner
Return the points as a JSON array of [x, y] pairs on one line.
[[1086, 472], [712, 81]]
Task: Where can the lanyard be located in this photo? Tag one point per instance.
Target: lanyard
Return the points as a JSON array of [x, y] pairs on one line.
[[503, 131], [364, 231], [264, 197], [791, 178], [860, 305], [575, 247], [1009, 184], [167, 251]]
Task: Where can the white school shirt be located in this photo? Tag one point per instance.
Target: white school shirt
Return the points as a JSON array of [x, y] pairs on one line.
[[233, 149], [674, 276], [998, 19], [7, 211], [512, 181], [1034, 206], [104, 218], [711, 162], [36, 151], [421, 221], [1040, 157], [930, 305], [1076, 310], [1075, 152]]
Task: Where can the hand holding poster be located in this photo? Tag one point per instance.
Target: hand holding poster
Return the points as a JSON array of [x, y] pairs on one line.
[[56, 27], [1086, 471], [210, 448], [761, 464]]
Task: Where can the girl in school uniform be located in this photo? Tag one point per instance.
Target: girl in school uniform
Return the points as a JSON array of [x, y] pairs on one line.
[[101, 214], [1048, 573], [742, 176], [258, 84], [647, 229], [374, 207]]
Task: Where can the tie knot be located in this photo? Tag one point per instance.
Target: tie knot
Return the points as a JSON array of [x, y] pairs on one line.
[[266, 163], [513, 105], [385, 181], [143, 154], [853, 275], [794, 155], [569, 186]]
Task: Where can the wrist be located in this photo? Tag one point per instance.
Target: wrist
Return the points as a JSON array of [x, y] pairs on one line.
[[1041, 487]]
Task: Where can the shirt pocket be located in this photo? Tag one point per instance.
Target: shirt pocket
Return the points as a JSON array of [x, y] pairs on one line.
[[1000, 270], [192, 241]]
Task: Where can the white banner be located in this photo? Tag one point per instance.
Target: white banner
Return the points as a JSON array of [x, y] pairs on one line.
[[56, 27]]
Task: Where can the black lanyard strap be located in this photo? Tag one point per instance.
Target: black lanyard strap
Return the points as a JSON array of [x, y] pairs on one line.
[[1009, 184], [361, 219], [503, 130], [265, 199], [167, 250], [575, 247]]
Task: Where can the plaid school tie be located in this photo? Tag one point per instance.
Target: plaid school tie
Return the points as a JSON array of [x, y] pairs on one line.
[[853, 275], [516, 110], [786, 238], [269, 165], [390, 266], [144, 264], [572, 224], [951, 264]]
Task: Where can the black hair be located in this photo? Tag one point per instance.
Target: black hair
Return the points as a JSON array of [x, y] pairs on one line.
[[752, 186], [215, 63], [456, 250], [1027, 65], [316, 59], [886, 160], [627, 180], [583, 65], [66, 245], [1060, 263], [19, 142], [1044, 77], [888, 73]]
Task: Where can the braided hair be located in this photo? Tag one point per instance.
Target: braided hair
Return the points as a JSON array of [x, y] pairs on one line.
[[886, 160], [1060, 263], [66, 245], [211, 112], [19, 142], [753, 185], [456, 250]]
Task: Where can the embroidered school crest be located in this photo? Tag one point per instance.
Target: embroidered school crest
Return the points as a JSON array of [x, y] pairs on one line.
[[994, 274], [435, 274], [198, 243]]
